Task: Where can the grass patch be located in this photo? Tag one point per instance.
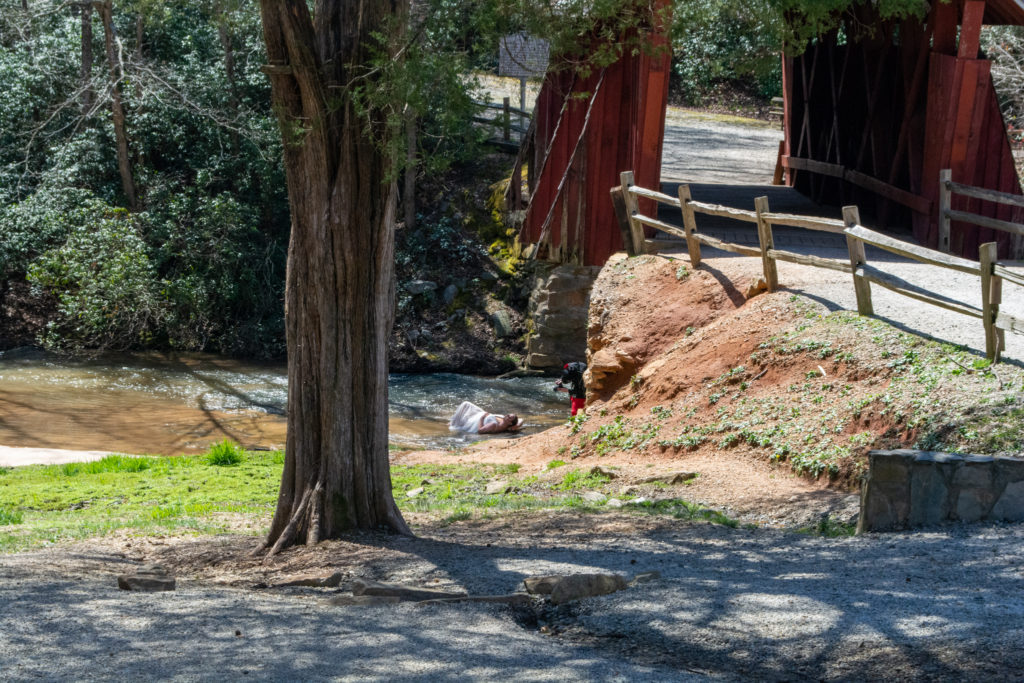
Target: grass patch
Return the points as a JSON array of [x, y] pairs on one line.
[[154, 496], [829, 528], [227, 453], [151, 496], [9, 516]]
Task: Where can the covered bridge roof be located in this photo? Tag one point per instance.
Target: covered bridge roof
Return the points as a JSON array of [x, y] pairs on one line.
[[1006, 12]]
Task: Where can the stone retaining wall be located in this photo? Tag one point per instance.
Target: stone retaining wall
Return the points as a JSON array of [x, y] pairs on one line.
[[907, 488], [559, 302]]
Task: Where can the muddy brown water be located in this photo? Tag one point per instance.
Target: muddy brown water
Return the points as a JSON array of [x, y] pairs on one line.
[[168, 405]]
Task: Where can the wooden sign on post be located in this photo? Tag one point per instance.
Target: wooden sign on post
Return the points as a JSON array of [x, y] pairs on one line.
[[522, 56]]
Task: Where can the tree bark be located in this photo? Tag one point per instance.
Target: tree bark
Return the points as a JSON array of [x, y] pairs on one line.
[[85, 75], [227, 43], [124, 161], [340, 285]]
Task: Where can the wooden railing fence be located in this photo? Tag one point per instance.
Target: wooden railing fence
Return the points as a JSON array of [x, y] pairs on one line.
[[991, 273], [504, 122], [947, 188]]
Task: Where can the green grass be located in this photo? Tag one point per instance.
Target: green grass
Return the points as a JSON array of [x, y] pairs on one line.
[[53, 503], [227, 453], [45, 504]]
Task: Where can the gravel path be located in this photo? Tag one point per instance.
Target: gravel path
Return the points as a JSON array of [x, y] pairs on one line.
[[731, 604]]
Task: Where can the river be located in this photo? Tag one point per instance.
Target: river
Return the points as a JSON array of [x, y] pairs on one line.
[[170, 404]]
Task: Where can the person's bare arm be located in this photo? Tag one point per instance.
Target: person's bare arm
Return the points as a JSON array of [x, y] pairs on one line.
[[489, 428]]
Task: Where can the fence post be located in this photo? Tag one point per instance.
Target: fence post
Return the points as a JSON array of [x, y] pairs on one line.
[[861, 286], [764, 236], [945, 204], [506, 133], [779, 171], [689, 224], [632, 209], [991, 297], [618, 194]]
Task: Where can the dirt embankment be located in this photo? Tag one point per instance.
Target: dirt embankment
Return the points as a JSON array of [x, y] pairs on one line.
[[773, 400]]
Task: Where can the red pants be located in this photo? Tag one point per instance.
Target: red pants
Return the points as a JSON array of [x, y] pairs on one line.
[[577, 404]]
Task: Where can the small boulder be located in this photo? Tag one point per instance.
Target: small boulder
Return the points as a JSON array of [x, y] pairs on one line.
[[502, 323], [449, 294], [412, 493], [614, 503], [756, 287], [670, 478], [497, 488], [420, 286], [579, 586], [593, 496], [540, 585], [147, 579], [602, 471]]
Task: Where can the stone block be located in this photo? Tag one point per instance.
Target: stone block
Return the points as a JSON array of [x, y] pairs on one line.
[[974, 488], [974, 474], [501, 321], [884, 505], [938, 457], [891, 466], [541, 361], [1010, 506], [573, 299], [973, 504], [550, 324], [1011, 470], [929, 493]]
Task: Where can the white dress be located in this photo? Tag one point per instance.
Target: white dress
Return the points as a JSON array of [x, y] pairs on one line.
[[467, 418]]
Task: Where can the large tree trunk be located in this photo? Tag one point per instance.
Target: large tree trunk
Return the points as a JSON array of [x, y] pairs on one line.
[[339, 292], [124, 161]]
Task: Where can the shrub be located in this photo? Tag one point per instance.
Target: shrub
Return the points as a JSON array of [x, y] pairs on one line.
[[225, 454]]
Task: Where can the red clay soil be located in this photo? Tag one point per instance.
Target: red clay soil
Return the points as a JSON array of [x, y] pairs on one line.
[[663, 340]]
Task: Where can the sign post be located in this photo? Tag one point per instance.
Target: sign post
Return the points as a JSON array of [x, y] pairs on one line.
[[522, 56]]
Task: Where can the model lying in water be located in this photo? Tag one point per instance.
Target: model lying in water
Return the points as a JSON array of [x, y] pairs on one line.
[[475, 420]]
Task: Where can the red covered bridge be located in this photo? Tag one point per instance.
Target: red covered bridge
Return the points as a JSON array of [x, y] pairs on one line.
[[873, 116], [588, 130]]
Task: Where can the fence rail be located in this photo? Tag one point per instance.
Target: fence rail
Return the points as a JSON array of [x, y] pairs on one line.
[[990, 272], [947, 214], [504, 123]]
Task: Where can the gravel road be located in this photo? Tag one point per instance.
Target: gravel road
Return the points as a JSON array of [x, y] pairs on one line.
[[731, 604]]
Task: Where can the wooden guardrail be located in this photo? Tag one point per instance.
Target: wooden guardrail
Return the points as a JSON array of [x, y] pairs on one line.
[[503, 123], [947, 188], [991, 273]]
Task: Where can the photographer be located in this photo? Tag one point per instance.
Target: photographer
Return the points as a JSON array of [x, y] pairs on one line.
[[571, 382]]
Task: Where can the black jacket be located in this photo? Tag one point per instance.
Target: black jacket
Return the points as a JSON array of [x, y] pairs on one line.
[[572, 379]]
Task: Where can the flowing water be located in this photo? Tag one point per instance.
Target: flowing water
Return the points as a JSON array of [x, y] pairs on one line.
[[166, 405]]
